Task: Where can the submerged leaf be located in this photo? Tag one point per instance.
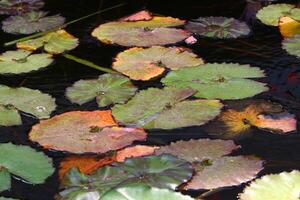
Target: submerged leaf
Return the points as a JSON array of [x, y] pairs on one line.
[[218, 27], [289, 27], [144, 64], [9, 116], [22, 61], [218, 81], [107, 89], [54, 42], [16, 7], [292, 45], [31, 22], [142, 15]]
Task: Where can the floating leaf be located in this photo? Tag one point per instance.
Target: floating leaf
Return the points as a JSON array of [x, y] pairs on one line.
[[166, 109], [107, 89], [84, 131], [271, 14], [289, 27], [221, 81], [9, 116], [4, 198], [5, 179], [25, 162], [282, 123], [54, 42], [218, 27], [144, 64], [292, 45], [285, 185], [142, 15], [31, 22], [22, 61], [16, 7], [142, 33], [135, 151]]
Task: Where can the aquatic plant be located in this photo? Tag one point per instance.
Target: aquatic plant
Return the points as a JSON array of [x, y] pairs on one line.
[[16, 7]]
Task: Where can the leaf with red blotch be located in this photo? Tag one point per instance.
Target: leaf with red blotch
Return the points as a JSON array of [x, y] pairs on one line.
[[142, 15]]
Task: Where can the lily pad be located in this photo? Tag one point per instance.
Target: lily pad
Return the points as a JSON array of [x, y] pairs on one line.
[[27, 100], [9, 116], [54, 43], [144, 64], [142, 15], [107, 89], [289, 27], [142, 33], [31, 22], [292, 45], [218, 81], [22, 61], [4, 198], [16, 7], [24, 162], [271, 14], [83, 132], [218, 27], [166, 109], [285, 185], [5, 179]]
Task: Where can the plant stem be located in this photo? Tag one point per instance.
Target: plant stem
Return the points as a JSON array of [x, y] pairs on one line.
[[88, 63], [208, 193], [62, 26]]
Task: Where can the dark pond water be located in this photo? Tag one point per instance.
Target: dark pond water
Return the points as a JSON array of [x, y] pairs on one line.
[[262, 49]]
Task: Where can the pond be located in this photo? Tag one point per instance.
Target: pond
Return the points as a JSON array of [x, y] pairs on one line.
[[261, 48]]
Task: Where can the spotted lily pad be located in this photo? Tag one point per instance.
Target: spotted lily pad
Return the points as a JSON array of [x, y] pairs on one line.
[[142, 33], [22, 61], [16, 7], [31, 22], [107, 89], [271, 14], [144, 64], [218, 81], [84, 131], [285, 185], [24, 162], [55, 42], [292, 45], [218, 27], [166, 109]]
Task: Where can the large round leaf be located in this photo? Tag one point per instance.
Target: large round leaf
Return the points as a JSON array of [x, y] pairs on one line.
[[84, 131], [144, 64], [25, 162], [218, 81], [218, 27], [9, 116], [292, 45], [31, 22], [166, 109], [283, 186], [22, 61], [15, 7], [107, 89]]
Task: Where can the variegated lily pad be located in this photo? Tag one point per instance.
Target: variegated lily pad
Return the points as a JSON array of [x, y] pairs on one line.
[[16, 7], [142, 33], [54, 42], [84, 131], [31, 22], [292, 45], [218, 27], [22, 61], [144, 64], [107, 89], [218, 81], [166, 109]]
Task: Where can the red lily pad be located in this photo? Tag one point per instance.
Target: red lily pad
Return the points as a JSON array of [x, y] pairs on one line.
[[142, 15]]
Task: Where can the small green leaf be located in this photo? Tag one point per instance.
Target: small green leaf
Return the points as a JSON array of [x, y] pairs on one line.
[[5, 179], [4, 198], [292, 45], [9, 116]]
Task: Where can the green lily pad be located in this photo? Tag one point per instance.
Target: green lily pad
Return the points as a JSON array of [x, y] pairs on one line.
[[54, 42], [4, 198], [271, 14], [166, 109], [5, 180], [16, 7], [218, 81], [27, 100], [25, 162], [107, 89], [292, 45], [218, 27], [139, 192], [144, 64], [22, 61], [285, 185], [9, 116], [31, 22]]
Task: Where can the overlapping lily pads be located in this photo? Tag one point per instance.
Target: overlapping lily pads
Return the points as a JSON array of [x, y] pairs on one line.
[[107, 89], [142, 33], [84, 131], [16, 7], [144, 64], [31, 22], [54, 43], [218, 81], [24, 162], [22, 61], [218, 27], [292, 45], [166, 109]]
